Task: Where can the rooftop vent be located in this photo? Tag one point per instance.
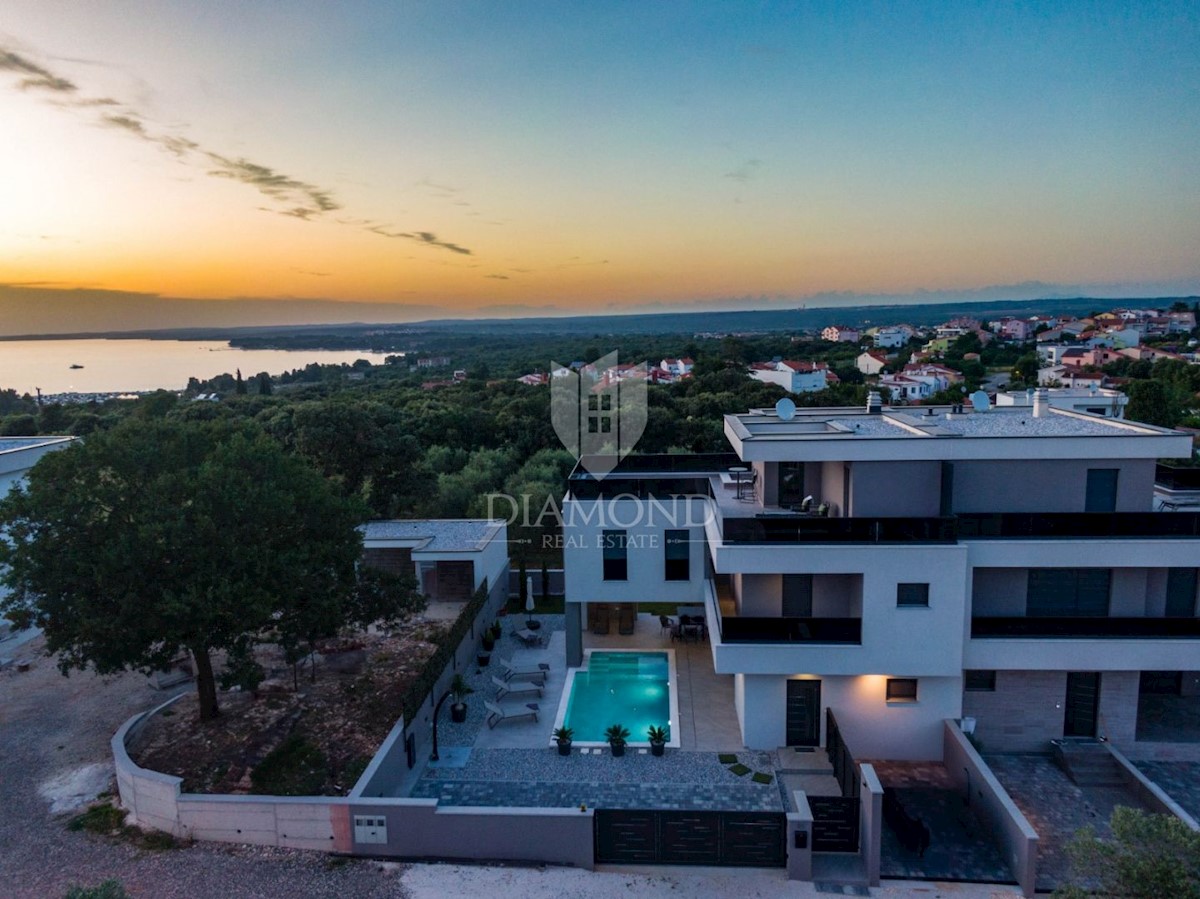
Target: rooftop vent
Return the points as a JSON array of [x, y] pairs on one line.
[[1041, 402], [874, 403]]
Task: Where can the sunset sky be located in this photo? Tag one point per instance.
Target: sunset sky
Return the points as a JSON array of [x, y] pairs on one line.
[[597, 156]]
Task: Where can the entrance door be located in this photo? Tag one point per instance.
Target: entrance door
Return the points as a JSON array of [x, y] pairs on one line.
[[1083, 698], [803, 713]]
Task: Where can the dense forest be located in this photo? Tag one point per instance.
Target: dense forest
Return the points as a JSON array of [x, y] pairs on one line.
[[417, 442]]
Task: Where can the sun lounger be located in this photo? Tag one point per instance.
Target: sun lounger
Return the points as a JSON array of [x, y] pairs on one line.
[[537, 673], [528, 637], [504, 687], [496, 713]]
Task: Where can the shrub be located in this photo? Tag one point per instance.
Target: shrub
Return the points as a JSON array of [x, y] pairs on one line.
[[294, 768]]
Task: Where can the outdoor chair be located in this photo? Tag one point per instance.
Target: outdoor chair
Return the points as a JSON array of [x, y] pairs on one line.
[[529, 638], [537, 673], [505, 687], [496, 713], [668, 624]]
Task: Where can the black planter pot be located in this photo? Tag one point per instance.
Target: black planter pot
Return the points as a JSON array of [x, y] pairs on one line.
[[483, 659], [458, 712], [488, 643], [564, 747], [658, 748], [618, 748]]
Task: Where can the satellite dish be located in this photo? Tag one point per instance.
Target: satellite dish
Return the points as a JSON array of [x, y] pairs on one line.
[[785, 409], [980, 401]]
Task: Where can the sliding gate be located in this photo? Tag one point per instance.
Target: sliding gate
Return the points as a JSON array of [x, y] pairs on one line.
[[662, 837]]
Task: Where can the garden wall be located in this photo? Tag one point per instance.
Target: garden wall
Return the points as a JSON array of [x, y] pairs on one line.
[[1017, 838]]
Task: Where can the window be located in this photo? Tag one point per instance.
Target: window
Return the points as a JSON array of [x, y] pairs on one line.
[[1068, 592], [979, 681], [902, 689], [616, 555], [677, 557], [912, 595], [1181, 592], [1101, 490]]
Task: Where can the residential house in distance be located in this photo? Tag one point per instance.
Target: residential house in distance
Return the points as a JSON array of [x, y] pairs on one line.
[[939, 377], [433, 362], [1003, 565], [1091, 400], [840, 334], [956, 327], [872, 362], [892, 336], [793, 376], [902, 388], [535, 379], [678, 368]]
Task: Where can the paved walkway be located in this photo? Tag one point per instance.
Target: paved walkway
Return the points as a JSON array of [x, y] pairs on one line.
[[961, 847], [1180, 780], [1056, 808]]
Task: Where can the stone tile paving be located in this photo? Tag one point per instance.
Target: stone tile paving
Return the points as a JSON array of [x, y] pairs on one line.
[[543, 778], [1057, 809], [1180, 780], [961, 847]]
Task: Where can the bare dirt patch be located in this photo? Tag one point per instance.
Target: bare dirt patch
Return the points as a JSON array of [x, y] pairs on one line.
[[296, 735]]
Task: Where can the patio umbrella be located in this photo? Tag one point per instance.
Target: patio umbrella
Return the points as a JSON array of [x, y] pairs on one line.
[[529, 602]]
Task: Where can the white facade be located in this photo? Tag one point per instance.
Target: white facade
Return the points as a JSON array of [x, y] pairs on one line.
[[892, 336], [870, 363], [926, 565], [794, 377], [1098, 401]]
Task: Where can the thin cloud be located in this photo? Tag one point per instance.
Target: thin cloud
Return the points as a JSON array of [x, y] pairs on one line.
[[294, 197], [745, 172], [498, 277], [36, 78], [425, 237]]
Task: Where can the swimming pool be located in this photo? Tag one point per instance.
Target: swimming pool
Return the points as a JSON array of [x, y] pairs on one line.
[[628, 687]]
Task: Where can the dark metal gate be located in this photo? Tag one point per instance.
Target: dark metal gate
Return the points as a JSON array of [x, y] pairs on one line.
[[835, 823], [750, 839]]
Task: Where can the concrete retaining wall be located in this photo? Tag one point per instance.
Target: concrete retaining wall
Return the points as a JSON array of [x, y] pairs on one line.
[[151, 798], [870, 821], [1150, 793], [799, 859], [1018, 840]]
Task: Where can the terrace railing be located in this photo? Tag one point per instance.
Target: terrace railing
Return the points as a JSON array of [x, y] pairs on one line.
[[1086, 628], [791, 630]]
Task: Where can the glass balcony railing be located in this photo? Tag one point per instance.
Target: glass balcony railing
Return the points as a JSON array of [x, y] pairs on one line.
[[791, 630], [1086, 628]]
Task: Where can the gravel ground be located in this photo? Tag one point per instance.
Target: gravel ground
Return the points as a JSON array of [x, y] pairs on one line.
[[53, 730]]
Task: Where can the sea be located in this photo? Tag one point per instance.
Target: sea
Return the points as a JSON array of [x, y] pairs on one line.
[[110, 366]]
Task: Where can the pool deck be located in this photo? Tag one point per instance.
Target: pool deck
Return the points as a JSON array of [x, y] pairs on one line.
[[515, 763]]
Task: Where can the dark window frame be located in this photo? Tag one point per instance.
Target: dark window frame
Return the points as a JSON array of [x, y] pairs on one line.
[[896, 689], [979, 680], [679, 567], [615, 555], [920, 590]]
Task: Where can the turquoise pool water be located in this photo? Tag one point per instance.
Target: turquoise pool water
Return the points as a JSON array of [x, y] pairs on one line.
[[628, 688]]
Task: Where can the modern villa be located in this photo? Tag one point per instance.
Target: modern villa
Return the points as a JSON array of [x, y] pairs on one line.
[[904, 566]]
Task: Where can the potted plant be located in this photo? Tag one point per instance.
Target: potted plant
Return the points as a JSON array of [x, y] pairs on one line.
[[616, 737], [488, 640], [460, 690], [562, 736], [658, 740], [496, 630]]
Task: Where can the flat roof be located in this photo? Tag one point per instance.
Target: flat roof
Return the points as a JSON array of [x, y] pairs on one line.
[[436, 534], [762, 434]]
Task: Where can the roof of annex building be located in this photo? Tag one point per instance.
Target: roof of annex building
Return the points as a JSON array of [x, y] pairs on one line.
[[14, 444], [940, 432], [435, 534]]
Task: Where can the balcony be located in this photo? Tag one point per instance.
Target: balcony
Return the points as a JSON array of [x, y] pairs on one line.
[[814, 529], [1078, 525], [1086, 628], [791, 630]]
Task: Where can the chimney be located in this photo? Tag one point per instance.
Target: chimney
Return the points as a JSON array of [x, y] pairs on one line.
[[874, 403], [1041, 402]]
